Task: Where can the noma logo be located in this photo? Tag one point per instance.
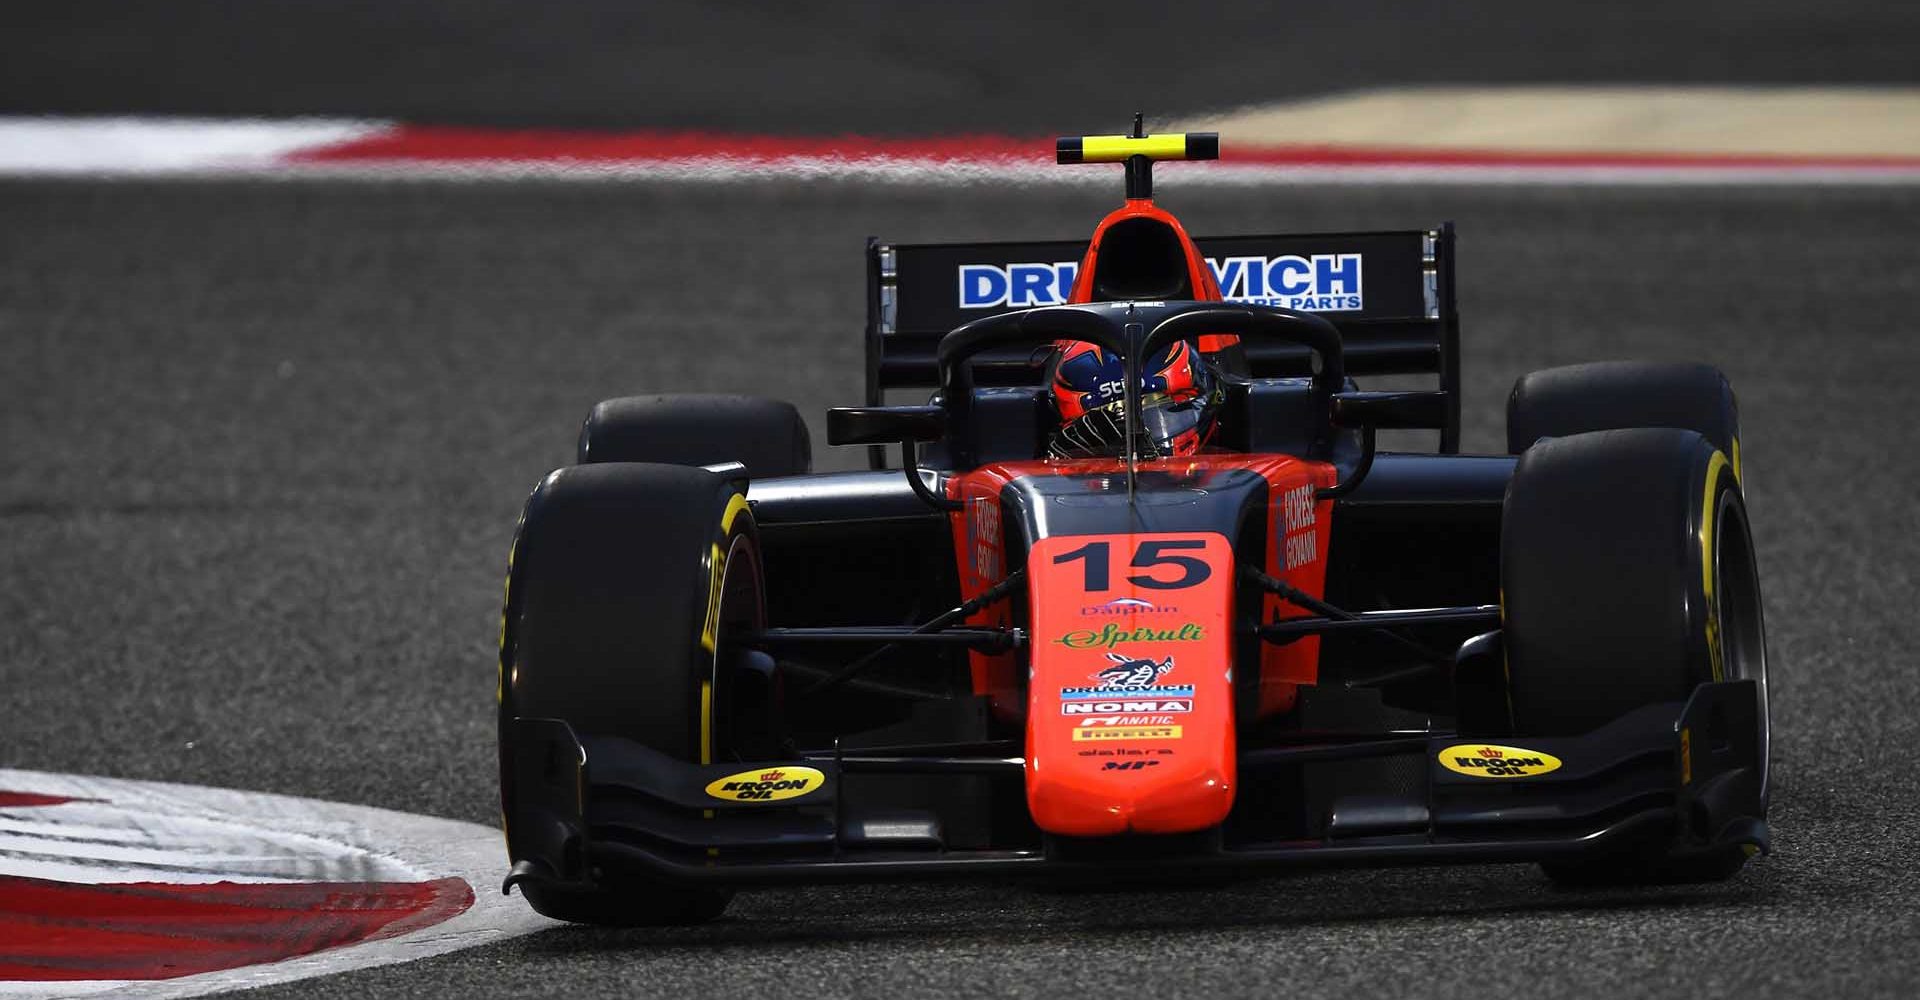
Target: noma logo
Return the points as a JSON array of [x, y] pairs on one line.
[[1123, 707], [767, 786], [1483, 760], [1322, 282]]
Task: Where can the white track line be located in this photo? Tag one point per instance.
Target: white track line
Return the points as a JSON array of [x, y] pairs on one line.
[[135, 147], [204, 149], [1642, 119], [152, 831]]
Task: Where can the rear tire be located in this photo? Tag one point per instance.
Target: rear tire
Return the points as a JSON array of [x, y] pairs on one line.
[[1628, 579], [624, 581], [765, 435], [1612, 395]]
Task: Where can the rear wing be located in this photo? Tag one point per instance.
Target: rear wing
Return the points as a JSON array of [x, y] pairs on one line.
[[1389, 293]]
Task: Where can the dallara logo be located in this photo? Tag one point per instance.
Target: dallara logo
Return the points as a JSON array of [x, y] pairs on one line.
[[1487, 760], [770, 785]]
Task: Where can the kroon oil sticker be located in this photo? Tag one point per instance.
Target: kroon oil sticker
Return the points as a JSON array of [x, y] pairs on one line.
[[769, 785], [1488, 760]]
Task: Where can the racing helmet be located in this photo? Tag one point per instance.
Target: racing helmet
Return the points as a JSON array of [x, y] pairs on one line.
[[1178, 402]]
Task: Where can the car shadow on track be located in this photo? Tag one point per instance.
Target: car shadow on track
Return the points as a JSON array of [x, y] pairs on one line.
[[990, 913]]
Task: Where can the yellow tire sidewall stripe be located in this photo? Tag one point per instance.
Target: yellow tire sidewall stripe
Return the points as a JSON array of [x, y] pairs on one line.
[[1708, 508]]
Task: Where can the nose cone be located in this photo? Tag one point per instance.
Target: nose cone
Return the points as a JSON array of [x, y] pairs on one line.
[[1075, 807], [1196, 804], [1130, 703]]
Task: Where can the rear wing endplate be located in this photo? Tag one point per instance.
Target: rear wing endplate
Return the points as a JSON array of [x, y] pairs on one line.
[[1389, 293]]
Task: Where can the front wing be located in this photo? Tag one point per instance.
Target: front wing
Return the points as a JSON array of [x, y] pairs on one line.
[[1683, 775]]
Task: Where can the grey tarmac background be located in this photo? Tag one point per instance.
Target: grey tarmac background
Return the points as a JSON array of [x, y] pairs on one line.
[[265, 444], [262, 444], [1021, 67]]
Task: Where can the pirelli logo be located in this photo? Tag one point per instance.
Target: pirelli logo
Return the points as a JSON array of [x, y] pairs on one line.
[[1108, 734]]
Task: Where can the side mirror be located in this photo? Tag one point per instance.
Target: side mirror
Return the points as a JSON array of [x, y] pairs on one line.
[[885, 424], [1390, 410], [1372, 411]]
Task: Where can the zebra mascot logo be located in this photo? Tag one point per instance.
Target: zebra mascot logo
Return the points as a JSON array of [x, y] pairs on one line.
[[1130, 674]]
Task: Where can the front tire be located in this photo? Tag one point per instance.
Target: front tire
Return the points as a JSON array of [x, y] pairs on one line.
[[1628, 579], [625, 581]]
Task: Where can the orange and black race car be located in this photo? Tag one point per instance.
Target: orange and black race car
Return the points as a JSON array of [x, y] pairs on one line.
[[1143, 595]]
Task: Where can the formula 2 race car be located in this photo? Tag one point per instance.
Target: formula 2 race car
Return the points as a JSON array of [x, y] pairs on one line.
[[1142, 596]]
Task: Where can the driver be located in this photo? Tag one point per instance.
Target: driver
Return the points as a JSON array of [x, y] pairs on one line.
[[1180, 393]]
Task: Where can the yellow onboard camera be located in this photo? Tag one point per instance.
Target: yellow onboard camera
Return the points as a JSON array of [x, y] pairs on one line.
[[1137, 151]]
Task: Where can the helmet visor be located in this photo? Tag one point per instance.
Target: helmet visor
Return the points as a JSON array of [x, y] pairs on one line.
[[1167, 426]]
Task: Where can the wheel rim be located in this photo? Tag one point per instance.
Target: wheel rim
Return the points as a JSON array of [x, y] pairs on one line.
[[742, 609], [1742, 627]]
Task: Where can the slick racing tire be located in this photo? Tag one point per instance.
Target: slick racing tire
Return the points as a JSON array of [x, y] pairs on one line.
[[1628, 578], [624, 582], [765, 435], [1613, 395]]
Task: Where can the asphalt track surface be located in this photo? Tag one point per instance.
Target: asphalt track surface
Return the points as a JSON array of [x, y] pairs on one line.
[[880, 66], [264, 444]]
